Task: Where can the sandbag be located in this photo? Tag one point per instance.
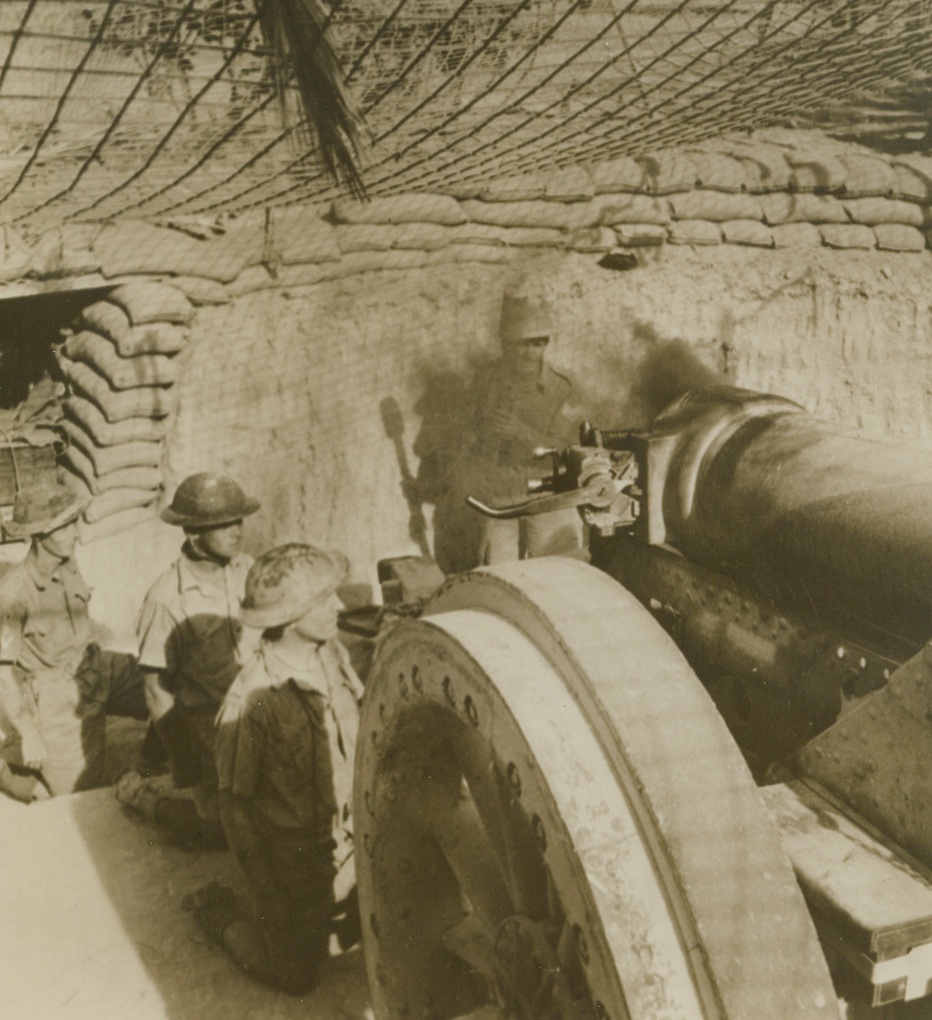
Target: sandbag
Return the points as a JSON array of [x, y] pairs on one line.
[[65, 251], [376, 261], [112, 322], [816, 171], [847, 235], [617, 175], [135, 477], [719, 171], [105, 433], [667, 172], [116, 500], [749, 232], [796, 235], [420, 236], [115, 523], [145, 302], [716, 206], [411, 208], [555, 215], [640, 235], [871, 211], [911, 185], [591, 239], [518, 237], [765, 164], [366, 236], [612, 209], [106, 318], [126, 477], [251, 279], [136, 246], [899, 237], [698, 232], [105, 459], [868, 176], [200, 290], [465, 253], [802, 208], [139, 402], [514, 188], [122, 373], [299, 235], [572, 184], [152, 338]]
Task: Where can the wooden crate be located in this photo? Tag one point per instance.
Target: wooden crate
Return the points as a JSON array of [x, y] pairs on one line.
[[26, 463]]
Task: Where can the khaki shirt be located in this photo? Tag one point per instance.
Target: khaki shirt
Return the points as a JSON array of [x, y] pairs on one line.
[[44, 625], [189, 629], [270, 747], [547, 407]]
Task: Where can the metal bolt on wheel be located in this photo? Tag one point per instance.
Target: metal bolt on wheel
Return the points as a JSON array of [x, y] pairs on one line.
[[520, 827]]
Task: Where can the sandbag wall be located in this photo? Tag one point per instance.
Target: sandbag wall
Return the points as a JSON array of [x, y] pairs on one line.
[[772, 189], [119, 365]]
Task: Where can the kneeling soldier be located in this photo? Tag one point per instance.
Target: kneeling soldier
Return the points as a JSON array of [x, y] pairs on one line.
[[285, 742], [191, 646]]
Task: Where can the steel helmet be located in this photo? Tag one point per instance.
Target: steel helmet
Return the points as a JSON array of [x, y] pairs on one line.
[[287, 581], [44, 507], [208, 500]]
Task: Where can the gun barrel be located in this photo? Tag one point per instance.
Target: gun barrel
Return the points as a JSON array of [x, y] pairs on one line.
[[841, 523]]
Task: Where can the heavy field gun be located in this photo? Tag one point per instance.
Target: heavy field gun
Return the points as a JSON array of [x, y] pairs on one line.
[[554, 819]]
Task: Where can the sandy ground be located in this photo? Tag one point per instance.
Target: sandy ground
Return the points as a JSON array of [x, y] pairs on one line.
[[93, 927]]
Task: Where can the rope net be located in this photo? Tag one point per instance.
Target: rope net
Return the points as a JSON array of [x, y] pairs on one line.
[[167, 109]]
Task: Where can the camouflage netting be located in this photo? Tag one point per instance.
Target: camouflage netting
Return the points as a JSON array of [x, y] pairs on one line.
[[165, 109]]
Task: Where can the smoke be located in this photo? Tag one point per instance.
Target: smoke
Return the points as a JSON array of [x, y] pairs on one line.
[[669, 369]]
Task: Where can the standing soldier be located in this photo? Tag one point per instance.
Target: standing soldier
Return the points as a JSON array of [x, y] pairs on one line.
[[191, 646], [56, 686], [520, 403], [285, 744], [44, 630]]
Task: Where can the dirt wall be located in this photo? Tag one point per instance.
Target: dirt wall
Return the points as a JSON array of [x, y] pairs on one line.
[[289, 391]]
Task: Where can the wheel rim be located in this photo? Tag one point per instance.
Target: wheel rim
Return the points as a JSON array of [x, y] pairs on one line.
[[504, 867]]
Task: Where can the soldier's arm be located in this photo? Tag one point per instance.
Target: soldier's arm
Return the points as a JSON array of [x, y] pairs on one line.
[[158, 700], [20, 708], [564, 426]]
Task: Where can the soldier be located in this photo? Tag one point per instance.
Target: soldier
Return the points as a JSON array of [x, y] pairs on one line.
[[285, 743], [56, 686], [191, 646], [519, 403]]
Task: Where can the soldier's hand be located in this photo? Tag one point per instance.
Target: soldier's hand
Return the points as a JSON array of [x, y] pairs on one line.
[[508, 425], [33, 750]]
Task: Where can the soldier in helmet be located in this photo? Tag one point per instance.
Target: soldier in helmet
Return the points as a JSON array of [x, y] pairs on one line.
[[56, 685], [191, 646], [285, 743], [519, 403]]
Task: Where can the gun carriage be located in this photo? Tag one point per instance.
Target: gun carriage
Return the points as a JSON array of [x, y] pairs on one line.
[[688, 780]]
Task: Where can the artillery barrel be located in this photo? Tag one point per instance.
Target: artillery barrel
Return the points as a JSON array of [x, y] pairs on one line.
[[842, 524]]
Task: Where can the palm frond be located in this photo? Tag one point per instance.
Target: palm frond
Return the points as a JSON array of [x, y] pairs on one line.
[[297, 33]]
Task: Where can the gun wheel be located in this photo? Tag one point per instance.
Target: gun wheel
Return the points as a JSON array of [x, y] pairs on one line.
[[554, 823]]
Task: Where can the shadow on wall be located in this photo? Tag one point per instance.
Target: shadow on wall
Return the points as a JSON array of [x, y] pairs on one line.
[[667, 370], [441, 481]]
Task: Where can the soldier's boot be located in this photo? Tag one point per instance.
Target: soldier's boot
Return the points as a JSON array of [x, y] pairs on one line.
[[139, 796]]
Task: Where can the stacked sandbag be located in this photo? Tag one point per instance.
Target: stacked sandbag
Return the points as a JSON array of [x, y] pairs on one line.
[[119, 364]]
